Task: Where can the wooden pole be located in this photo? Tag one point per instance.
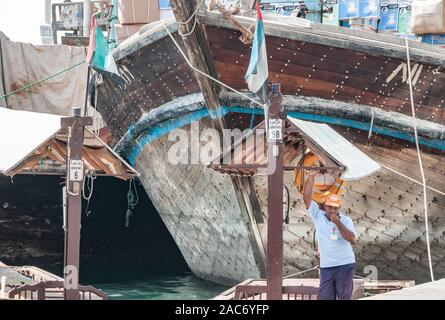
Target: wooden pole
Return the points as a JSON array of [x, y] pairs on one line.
[[275, 197], [198, 52], [85, 110], [86, 18], [74, 182]]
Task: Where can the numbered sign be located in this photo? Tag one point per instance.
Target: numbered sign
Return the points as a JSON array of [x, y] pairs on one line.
[[275, 130], [76, 170]]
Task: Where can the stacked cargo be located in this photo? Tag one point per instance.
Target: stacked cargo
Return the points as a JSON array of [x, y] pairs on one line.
[[166, 9], [421, 20], [428, 21], [404, 19], [389, 16], [133, 14]]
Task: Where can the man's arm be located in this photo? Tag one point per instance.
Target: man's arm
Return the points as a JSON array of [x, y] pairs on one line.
[[345, 232], [308, 189]]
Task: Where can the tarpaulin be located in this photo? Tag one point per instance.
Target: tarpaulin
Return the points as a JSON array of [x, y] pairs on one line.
[[23, 63]]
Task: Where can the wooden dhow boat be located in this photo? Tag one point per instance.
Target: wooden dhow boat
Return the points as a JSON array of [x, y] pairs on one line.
[[355, 81]]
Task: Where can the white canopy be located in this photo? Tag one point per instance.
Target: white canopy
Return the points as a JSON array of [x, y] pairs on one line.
[[21, 132], [25, 135], [357, 164]]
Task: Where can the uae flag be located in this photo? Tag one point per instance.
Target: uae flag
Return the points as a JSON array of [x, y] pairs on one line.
[[258, 71], [100, 58]]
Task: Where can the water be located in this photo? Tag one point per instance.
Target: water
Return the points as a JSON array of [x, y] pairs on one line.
[[131, 286], [141, 261]]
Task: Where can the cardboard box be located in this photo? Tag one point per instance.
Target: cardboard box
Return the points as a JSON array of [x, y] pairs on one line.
[[138, 11], [125, 31], [428, 16], [434, 39]]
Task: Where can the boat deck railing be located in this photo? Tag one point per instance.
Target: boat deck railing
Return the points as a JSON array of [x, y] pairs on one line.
[[259, 292], [293, 289], [53, 290]]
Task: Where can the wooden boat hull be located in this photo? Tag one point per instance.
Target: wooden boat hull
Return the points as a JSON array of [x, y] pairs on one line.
[[218, 222]]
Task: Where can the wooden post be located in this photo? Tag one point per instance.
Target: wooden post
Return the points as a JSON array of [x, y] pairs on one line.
[[198, 52], [275, 197], [74, 182], [86, 18]]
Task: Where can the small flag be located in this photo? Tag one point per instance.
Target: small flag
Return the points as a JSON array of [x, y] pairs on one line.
[[99, 56], [258, 70]]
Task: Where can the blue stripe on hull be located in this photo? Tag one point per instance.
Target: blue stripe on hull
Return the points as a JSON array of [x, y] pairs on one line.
[[166, 127]]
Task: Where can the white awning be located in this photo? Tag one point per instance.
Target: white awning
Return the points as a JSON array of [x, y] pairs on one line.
[[21, 132], [27, 136], [357, 164]]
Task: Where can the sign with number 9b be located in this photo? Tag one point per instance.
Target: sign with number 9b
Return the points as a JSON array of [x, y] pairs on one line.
[[275, 130]]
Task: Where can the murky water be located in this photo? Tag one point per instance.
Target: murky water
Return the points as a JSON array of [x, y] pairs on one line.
[[139, 286]]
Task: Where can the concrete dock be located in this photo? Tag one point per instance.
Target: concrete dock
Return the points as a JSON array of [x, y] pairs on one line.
[[427, 291]]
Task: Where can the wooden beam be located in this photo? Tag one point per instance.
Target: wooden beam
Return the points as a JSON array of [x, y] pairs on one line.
[[357, 40], [198, 52], [200, 56], [247, 33]]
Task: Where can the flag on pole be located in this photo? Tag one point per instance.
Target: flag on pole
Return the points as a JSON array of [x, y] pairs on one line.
[[112, 25], [100, 57], [258, 71]]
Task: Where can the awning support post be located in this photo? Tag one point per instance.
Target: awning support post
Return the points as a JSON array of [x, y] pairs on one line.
[[74, 184], [275, 196]]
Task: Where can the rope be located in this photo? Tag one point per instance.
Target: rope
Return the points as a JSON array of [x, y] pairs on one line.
[[194, 14], [91, 187], [286, 218], [191, 31], [252, 117], [301, 272], [40, 81], [209, 76], [132, 200], [264, 106], [372, 120], [131, 195], [425, 201], [71, 193], [364, 278], [411, 179], [372, 123]]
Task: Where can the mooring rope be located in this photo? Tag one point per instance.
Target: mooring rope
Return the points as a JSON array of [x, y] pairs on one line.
[[252, 117], [372, 123], [194, 14], [132, 200], [40, 81], [90, 188], [263, 105], [411, 179], [425, 200], [301, 272]]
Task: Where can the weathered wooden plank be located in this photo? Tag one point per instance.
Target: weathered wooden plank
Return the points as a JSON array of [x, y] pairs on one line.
[[374, 44], [355, 75], [198, 53]]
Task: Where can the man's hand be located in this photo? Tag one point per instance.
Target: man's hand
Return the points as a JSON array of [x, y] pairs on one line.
[[334, 217], [308, 186], [347, 234], [312, 173]]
